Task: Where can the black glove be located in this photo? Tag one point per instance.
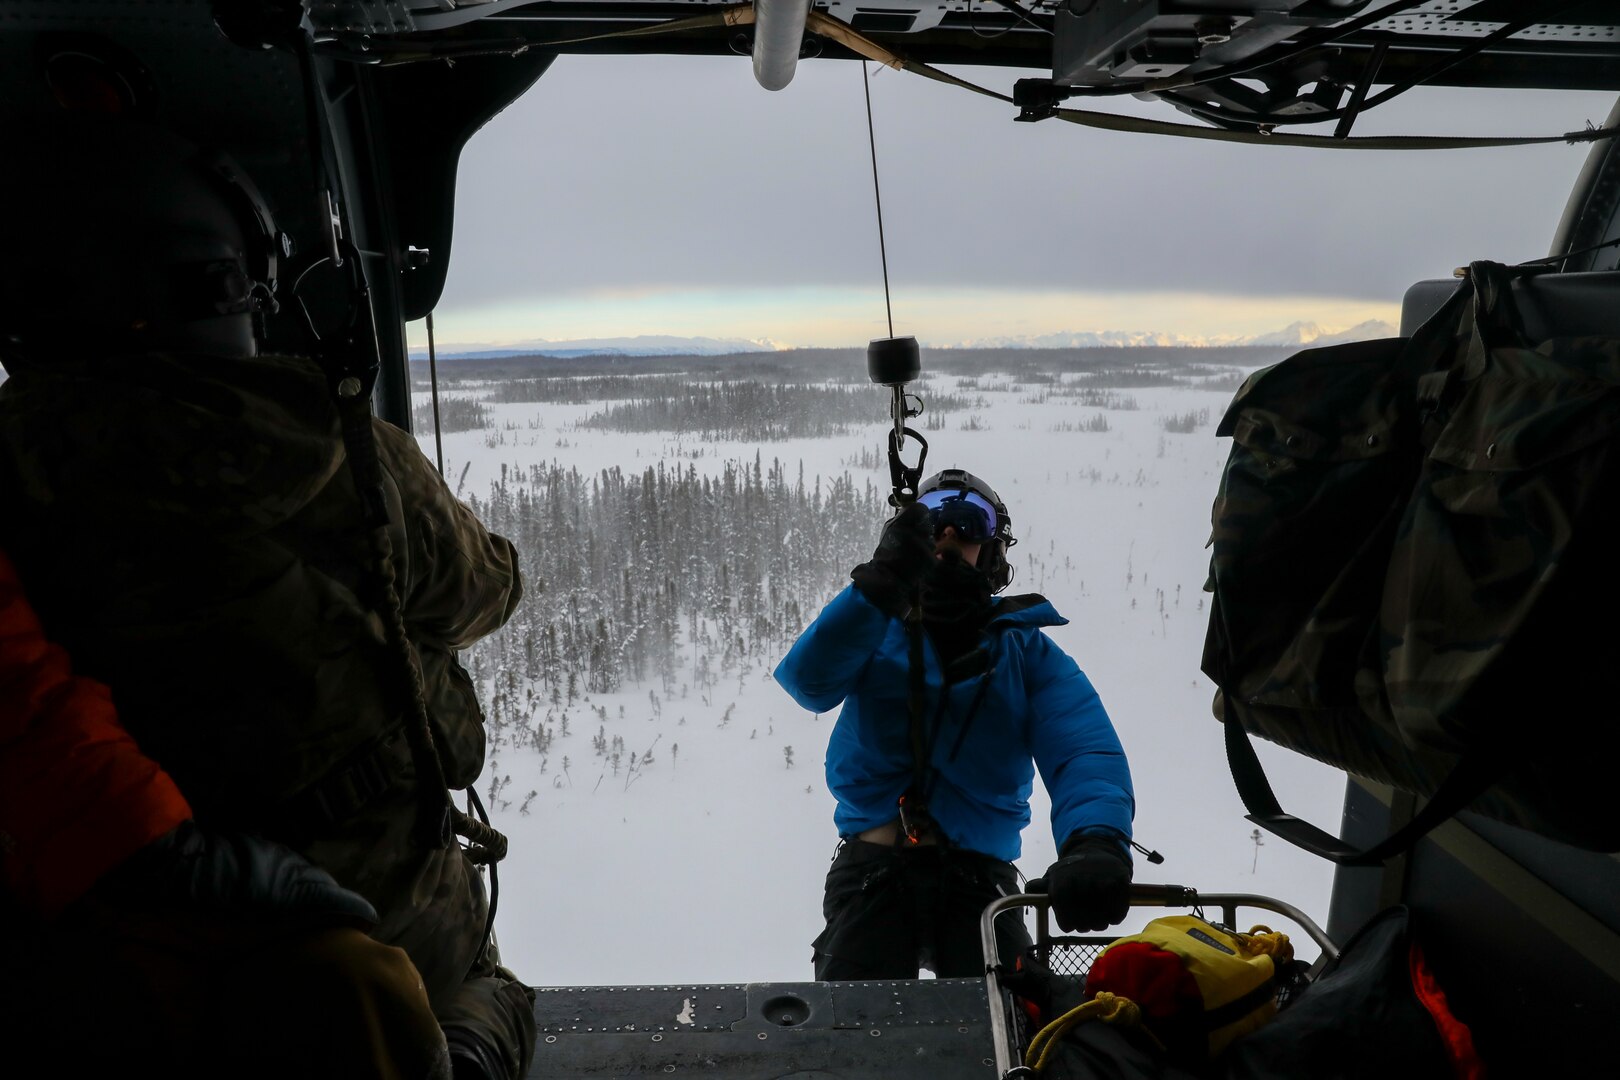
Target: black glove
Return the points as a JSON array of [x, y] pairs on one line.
[[904, 554], [1090, 884], [191, 867]]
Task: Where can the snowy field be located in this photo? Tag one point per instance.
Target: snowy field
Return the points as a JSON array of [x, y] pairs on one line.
[[707, 864]]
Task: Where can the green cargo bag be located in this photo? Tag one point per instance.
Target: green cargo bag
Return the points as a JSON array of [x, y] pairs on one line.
[[1407, 545]]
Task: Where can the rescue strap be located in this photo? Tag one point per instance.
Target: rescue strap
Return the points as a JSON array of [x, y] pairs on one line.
[[963, 667], [841, 32], [914, 801]]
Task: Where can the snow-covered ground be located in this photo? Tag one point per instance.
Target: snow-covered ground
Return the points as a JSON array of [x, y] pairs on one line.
[[708, 865]]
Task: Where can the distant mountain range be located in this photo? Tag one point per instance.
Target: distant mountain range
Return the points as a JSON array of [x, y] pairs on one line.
[[641, 345], [1293, 335]]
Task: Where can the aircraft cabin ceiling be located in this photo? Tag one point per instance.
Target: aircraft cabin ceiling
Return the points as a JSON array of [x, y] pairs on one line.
[[1231, 62], [407, 82]]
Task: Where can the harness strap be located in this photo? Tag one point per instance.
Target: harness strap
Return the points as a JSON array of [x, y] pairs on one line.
[[973, 708], [1474, 772], [913, 802]]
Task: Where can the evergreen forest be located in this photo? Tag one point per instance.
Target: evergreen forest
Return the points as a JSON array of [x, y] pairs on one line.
[[690, 582], [620, 569]]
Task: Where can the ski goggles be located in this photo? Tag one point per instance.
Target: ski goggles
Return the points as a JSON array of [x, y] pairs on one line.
[[969, 513]]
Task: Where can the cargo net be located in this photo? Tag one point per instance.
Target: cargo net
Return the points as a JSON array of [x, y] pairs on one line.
[[1070, 958]]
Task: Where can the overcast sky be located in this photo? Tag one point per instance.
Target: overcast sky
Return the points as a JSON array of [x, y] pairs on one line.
[[672, 195]]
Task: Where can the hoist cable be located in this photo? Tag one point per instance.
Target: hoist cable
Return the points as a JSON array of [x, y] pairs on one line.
[[877, 196], [474, 805], [1568, 255], [433, 382]]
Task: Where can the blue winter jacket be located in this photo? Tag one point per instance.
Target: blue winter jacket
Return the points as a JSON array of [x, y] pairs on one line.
[[1036, 709]]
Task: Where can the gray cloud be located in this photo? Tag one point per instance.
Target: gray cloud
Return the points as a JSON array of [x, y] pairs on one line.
[[649, 171]]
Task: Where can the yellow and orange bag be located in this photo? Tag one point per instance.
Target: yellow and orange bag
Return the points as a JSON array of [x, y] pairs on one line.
[[1191, 985]]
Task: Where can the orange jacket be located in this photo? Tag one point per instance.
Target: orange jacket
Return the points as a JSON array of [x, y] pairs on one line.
[[77, 796]]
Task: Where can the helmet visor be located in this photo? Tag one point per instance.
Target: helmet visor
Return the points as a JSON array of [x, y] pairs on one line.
[[969, 513]]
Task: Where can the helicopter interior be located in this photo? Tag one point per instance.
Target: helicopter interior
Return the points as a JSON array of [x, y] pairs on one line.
[[351, 115]]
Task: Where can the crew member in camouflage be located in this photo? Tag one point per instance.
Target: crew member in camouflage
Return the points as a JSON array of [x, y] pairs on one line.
[[182, 514]]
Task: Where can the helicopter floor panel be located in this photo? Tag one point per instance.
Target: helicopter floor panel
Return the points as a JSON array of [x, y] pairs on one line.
[[925, 1029]]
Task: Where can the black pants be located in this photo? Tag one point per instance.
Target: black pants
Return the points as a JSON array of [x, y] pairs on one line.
[[893, 910]]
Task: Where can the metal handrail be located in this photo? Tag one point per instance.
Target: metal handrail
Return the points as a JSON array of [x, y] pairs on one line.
[[1141, 896]]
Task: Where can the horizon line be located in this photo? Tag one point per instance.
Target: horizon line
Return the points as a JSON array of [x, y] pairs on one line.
[[516, 351]]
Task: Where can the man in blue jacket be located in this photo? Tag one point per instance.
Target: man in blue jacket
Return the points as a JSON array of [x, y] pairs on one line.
[[948, 710]]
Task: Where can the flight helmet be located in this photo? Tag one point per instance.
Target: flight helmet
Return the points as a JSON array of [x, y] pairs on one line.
[[126, 237], [957, 498]]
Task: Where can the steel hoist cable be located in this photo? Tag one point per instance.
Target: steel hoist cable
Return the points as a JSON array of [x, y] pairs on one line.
[[893, 362], [877, 195], [433, 384], [475, 805]]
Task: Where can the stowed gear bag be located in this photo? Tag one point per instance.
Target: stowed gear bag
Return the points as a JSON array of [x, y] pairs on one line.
[[1187, 986], [1412, 540]]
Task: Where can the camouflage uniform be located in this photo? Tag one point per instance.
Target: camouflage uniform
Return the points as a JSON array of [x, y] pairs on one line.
[[189, 529]]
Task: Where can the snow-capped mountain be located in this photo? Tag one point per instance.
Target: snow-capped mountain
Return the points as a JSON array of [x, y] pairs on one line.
[[1077, 339], [1294, 334], [1310, 333]]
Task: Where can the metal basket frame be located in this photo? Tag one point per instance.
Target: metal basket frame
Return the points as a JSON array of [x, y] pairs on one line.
[[1008, 1053]]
